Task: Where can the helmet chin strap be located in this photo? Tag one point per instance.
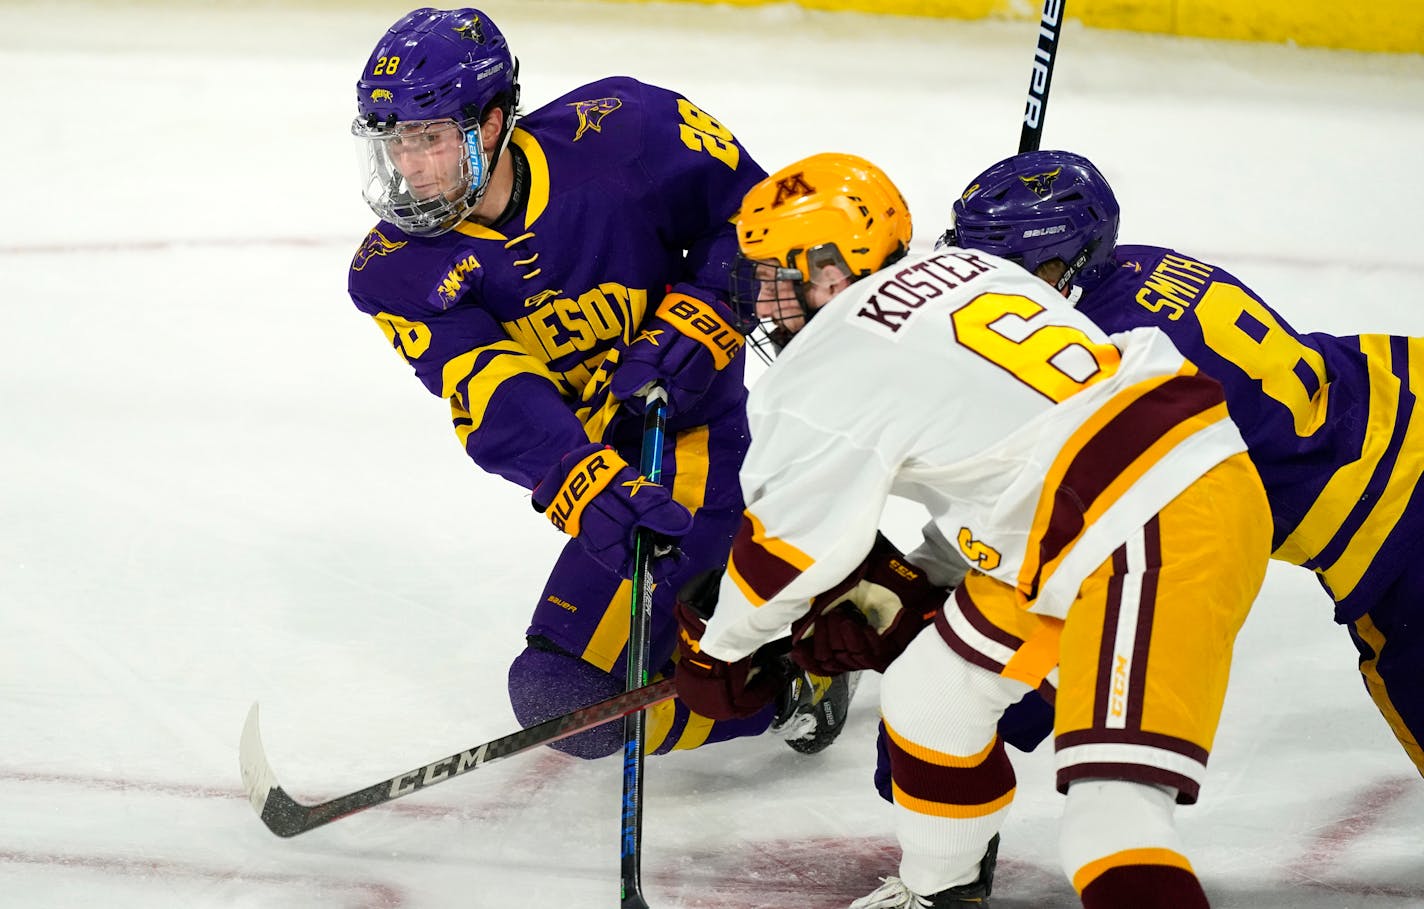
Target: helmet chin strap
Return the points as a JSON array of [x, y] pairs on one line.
[[799, 288], [511, 116], [518, 190], [1072, 269]]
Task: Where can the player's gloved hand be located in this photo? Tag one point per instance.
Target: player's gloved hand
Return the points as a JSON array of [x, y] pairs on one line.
[[593, 495], [869, 618], [683, 344], [715, 688]]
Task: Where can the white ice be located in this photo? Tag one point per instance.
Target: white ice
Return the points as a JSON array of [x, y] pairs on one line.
[[219, 486]]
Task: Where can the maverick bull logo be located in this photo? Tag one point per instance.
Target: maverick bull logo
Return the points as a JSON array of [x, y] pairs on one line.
[[376, 245], [474, 30], [381, 94], [591, 114], [1041, 185]]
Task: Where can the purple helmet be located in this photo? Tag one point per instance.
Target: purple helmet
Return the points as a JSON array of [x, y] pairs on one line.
[[1040, 206], [426, 88], [436, 63]]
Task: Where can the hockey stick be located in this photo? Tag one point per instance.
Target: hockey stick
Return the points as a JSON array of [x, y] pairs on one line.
[[1049, 27], [635, 724], [285, 816]]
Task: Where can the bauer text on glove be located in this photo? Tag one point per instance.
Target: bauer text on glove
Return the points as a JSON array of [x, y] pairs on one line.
[[684, 344], [594, 496]]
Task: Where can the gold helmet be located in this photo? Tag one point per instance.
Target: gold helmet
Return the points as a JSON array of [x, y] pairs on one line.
[[828, 209], [839, 205]]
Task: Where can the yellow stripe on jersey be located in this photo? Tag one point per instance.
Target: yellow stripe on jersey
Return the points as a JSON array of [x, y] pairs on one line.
[[595, 422], [689, 483], [479, 231], [538, 175], [1126, 858], [1345, 489], [538, 189], [1059, 469], [470, 390], [1345, 573], [1155, 448]]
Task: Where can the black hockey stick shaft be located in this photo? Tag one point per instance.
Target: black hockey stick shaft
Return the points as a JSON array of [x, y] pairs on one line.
[[1050, 25], [635, 725], [285, 816]]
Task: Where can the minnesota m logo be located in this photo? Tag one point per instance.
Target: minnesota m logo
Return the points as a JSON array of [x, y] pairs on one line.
[[792, 187]]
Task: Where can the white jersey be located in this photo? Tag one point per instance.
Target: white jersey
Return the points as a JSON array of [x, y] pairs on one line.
[[958, 380]]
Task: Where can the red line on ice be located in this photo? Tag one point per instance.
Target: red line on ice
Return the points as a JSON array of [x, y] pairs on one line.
[[1332, 841], [373, 894]]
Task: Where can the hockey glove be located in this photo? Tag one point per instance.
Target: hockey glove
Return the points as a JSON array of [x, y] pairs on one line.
[[593, 495], [869, 618], [684, 344], [715, 688]]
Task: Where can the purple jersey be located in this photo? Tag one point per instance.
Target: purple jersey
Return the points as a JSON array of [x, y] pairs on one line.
[[630, 192], [1327, 419]]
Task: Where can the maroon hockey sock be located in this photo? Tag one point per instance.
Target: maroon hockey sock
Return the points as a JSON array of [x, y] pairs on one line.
[[1145, 887]]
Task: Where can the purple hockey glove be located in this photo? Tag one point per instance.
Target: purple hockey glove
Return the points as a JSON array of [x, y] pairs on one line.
[[684, 344], [593, 495]]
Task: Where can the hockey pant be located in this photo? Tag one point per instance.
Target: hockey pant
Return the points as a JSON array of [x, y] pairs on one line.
[[578, 636], [1138, 674]]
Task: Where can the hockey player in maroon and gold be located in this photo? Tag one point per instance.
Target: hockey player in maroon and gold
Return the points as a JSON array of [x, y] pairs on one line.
[[1093, 482], [1333, 423], [539, 271]]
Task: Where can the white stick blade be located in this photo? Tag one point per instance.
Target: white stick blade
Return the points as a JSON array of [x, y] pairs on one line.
[[257, 775]]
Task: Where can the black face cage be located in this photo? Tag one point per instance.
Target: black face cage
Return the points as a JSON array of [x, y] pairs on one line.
[[767, 336]]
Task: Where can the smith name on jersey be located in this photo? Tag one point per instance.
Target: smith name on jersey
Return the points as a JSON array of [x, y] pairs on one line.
[[1332, 422], [630, 189]]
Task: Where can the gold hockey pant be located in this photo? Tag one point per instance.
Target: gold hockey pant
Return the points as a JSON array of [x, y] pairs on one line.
[[1137, 672]]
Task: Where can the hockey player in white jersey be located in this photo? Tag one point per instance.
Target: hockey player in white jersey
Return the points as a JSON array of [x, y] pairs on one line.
[[1115, 529]]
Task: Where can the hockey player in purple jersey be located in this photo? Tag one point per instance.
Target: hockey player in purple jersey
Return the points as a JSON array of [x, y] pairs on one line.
[[539, 271], [1333, 424]]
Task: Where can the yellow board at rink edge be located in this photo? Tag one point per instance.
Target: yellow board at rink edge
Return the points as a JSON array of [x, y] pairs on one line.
[[1392, 26]]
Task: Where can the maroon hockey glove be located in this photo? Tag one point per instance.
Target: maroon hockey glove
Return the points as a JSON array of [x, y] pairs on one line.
[[715, 688], [684, 344], [593, 495], [869, 618]]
